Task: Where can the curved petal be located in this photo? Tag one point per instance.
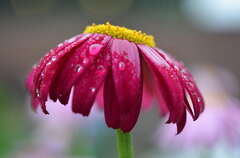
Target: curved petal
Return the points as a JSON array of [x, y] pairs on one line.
[[147, 97], [89, 83], [148, 87], [53, 66], [123, 86], [59, 49], [192, 89], [163, 104], [99, 98], [182, 122], [81, 59], [29, 85], [168, 82], [188, 84]]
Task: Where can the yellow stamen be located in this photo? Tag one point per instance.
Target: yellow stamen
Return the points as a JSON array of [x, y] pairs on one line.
[[121, 33]]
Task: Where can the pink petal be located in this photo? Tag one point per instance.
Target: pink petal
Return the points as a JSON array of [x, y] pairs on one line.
[[168, 82], [182, 122], [80, 60], [89, 83], [148, 88], [147, 97], [188, 84], [161, 100], [53, 66], [191, 87], [123, 87], [59, 49], [30, 88], [111, 106], [99, 98]]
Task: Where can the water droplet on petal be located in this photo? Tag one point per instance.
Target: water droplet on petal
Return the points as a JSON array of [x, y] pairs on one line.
[[199, 99], [54, 58], [79, 68], [37, 92], [85, 60], [49, 63], [60, 44], [176, 67], [93, 89], [95, 49], [121, 65], [71, 40]]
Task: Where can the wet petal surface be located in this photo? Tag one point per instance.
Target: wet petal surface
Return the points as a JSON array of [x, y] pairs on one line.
[[123, 86]]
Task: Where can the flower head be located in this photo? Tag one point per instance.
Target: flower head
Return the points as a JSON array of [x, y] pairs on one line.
[[113, 57]]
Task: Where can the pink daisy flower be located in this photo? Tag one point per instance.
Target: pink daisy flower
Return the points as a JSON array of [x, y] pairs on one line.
[[114, 57]]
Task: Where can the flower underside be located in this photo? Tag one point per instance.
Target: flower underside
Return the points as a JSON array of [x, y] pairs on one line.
[[105, 64], [121, 33]]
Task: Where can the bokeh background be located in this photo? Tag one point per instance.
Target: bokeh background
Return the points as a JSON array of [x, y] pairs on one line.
[[205, 34]]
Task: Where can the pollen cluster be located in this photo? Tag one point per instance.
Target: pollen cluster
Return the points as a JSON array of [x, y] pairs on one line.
[[121, 33]]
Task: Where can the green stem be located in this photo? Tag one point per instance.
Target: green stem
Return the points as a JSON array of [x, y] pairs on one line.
[[124, 144]]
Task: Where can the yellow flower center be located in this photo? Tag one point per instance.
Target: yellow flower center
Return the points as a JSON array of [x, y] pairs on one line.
[[121, 33]]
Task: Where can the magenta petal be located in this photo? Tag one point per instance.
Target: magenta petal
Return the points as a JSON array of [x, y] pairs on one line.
[[123, 87], [35, 103], [48, 57], [182, 122], [147, 97], [188, 84], [99, 98], [88, 84], [31, 90], [52, 67], [80, 60], [161, 100], [168, 82], [193, 91], [188, 107], [111, 106]]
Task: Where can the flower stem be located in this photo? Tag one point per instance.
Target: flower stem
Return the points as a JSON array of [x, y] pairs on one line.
[[124, 144]]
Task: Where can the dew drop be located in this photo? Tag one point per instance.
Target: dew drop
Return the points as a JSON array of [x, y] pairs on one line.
[[60, 44], [93, 90], [71, 40], [121, 65], [95, 49], [37, 92], [199, 99], [54, 58], [49, 63], [176, 67], [79, 68], [85, 60]]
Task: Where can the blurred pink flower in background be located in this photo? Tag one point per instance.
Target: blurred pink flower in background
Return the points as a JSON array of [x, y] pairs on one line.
[[54, 134], [219, 122]]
